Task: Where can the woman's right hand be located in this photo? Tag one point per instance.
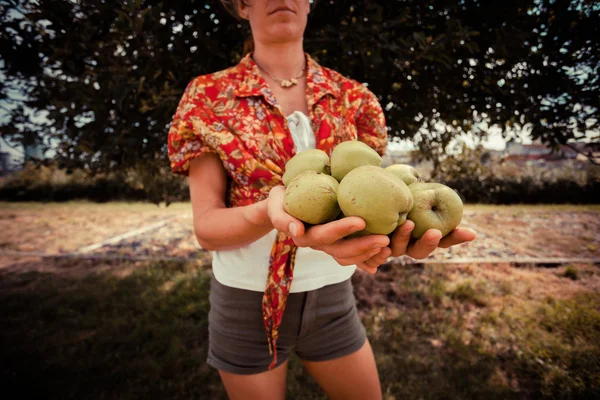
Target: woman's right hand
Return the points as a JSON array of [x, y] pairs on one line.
[[367, 252]]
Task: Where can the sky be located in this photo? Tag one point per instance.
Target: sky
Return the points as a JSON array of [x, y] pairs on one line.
[[494, 141]]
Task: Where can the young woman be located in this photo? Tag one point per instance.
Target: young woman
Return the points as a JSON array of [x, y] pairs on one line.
[[276, 287]]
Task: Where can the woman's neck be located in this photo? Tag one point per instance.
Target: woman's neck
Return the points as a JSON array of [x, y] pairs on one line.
[[283, 60]]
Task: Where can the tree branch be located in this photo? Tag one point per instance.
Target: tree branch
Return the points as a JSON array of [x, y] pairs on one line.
[[589, 155]]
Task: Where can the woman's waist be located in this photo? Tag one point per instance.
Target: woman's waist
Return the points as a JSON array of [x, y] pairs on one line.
[[247, 267], [259, 252]]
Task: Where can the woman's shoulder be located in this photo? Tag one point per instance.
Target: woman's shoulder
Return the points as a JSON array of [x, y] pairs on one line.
[[218, 80], [345, 84]]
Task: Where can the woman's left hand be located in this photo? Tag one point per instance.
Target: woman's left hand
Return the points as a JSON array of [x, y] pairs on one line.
[[401, 244], [432, 239]]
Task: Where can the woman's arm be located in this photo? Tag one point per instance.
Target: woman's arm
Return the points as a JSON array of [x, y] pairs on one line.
[[217, 227], [220, 228]]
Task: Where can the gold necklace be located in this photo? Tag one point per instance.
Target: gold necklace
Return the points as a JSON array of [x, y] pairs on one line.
[[285, 83]]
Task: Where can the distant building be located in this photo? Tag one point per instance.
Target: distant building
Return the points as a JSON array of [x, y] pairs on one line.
[[397, 157], [536, 151], [11, 157], [4, 162], [491, 156]]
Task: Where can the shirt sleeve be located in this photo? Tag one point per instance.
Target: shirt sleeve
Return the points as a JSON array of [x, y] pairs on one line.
[[185, 138], [370, 123]]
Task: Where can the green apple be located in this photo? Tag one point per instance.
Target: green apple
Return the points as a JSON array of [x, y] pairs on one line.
[[352, 154], [380, 198], [437, 206], [312, 198], [407, 173], [307, 160]]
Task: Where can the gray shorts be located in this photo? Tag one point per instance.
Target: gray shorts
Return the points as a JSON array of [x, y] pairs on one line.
[[318, 325]]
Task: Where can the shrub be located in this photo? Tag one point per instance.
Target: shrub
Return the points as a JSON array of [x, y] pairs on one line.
[[48, 182], [479, 178], [155, 178]]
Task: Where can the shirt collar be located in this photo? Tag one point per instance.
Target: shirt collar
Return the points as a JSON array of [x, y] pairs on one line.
[[252, 83]]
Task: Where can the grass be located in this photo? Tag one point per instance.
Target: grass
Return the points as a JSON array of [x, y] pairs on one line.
[[571, 273], [106, 337], [447, 332], [558, 345], [465, 336], [465, 291]]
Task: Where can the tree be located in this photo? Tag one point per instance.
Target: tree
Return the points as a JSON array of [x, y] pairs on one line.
[[443, 68], [107, 74]]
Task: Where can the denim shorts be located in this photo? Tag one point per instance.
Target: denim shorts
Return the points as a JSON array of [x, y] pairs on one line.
[[317, 325]]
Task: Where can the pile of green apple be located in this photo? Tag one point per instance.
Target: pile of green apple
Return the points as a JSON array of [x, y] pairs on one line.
[[321, 189]]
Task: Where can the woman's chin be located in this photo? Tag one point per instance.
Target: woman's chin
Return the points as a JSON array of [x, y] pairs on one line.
[[284, 32]]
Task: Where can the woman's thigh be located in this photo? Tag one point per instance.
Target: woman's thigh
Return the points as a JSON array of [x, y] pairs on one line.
[[333, 345], [269, 385], [349, 377]]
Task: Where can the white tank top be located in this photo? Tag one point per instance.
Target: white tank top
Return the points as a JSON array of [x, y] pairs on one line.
[[247, 267]]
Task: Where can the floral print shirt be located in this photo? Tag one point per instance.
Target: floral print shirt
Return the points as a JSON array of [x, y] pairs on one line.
[[234, 114]]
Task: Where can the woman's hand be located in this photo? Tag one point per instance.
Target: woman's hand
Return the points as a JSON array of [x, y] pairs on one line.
[[432, 239], [367, 252]]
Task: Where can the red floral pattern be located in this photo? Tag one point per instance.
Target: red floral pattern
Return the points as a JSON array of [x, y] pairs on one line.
[[234, 114]]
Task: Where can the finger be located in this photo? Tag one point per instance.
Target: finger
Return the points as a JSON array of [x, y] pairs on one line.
[[358, 259], [457, 236], [366, 268], [329, 233], [424, 246], [379, 258], [401, 238], [281, 220], [356, 247]]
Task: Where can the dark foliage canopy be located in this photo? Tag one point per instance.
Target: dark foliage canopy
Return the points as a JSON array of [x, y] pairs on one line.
[[102, 78]]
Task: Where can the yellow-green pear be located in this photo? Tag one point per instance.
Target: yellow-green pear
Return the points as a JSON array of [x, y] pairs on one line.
[[407, 173], [380, 198], [352, 154], [437, 206], [307, 160], [312, 198]]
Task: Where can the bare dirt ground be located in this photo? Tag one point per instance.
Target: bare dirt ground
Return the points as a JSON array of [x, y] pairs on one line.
[[145, 230], [139, 232], [66, 227]]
